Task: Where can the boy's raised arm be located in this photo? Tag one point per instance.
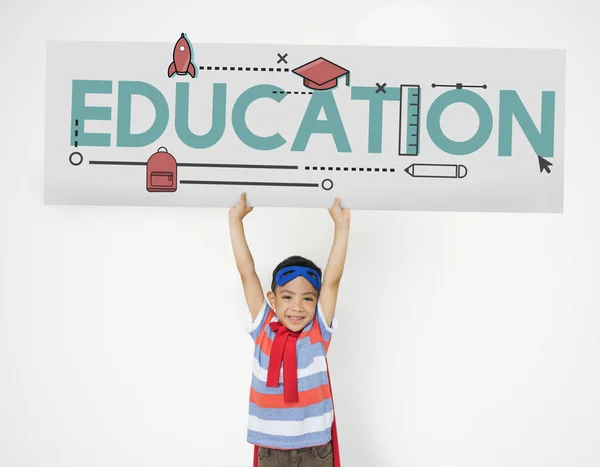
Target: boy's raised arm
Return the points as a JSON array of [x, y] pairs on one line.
[[337, 258], [243, 258]]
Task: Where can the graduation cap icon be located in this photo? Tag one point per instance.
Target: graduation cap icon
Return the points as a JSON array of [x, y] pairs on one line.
[[321, 74]]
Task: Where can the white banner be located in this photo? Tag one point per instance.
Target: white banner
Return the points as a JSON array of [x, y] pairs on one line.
[[387, 128]]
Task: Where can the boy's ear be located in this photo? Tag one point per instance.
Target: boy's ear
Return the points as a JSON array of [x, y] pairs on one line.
[[271, 297]]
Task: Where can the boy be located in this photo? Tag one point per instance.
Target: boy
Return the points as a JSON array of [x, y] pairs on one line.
[[291, 419]]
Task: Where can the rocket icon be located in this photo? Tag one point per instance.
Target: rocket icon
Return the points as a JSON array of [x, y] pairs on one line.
[[182, 58]]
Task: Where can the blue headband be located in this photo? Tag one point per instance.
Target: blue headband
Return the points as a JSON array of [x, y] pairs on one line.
[[291, 272]]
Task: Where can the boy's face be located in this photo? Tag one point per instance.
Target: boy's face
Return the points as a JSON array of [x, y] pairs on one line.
[[294, 299]]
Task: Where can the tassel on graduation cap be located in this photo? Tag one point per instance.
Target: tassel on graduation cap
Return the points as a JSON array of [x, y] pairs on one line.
[[321, 74]]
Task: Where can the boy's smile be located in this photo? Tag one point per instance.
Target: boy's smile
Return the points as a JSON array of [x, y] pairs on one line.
[[295, 303]]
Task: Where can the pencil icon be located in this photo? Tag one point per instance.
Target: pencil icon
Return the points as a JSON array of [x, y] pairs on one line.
[[436, 170]]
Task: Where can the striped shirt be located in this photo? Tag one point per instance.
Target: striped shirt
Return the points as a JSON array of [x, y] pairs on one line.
[[277, 424]]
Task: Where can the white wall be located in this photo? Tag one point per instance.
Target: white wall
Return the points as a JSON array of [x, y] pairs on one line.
[[464, 340]]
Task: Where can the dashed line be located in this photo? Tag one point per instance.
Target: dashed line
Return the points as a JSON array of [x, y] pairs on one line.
[[76, 131], [241, 68], [352, 169], [292, 92]]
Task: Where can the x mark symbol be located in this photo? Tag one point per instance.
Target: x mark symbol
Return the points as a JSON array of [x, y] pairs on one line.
[[282, 58], [380, 87]]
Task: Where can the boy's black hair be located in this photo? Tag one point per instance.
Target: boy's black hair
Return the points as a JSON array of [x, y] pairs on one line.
[[293, 261]]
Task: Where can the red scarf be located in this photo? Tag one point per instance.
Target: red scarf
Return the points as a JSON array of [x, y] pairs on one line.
[[284, 349]]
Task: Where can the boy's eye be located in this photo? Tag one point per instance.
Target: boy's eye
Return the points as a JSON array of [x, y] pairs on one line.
[[309, 298], [285, 297]]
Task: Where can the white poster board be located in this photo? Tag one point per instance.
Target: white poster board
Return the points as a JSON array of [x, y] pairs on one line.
[[385, 128]]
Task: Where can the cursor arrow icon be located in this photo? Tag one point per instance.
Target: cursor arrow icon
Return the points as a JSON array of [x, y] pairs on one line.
[[544, 164]]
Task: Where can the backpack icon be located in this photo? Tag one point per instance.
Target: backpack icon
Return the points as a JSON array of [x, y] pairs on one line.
[[161, 172]]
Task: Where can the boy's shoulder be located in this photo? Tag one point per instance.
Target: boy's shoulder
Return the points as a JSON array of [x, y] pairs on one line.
[[265, 315]]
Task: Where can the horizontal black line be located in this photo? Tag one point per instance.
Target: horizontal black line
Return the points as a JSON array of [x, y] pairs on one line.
[[192, 164], [218, 182], [117, 163], [238, 166]]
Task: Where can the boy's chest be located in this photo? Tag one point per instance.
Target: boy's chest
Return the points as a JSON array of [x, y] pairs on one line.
[[306, 352]]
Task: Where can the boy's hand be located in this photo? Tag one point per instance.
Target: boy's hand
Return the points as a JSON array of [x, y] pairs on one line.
[[340, 216], [240, 210]]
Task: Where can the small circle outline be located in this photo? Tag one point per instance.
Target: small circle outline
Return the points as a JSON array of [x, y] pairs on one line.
[[71, 158], [323, 184]]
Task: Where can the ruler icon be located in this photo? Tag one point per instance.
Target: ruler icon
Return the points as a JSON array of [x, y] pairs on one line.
[[410, 110]]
